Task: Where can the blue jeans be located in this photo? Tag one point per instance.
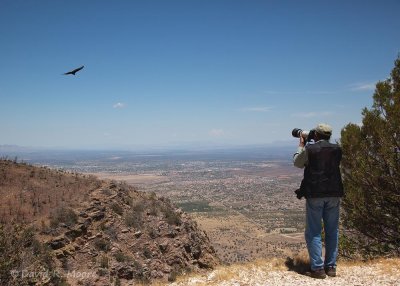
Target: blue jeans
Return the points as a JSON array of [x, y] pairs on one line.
[[326, 210]]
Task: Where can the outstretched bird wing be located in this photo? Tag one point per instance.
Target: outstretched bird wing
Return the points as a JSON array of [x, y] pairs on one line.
[[74, 71]]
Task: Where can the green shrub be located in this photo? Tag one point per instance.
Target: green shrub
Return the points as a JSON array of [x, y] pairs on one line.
[[117, 208], [102, 244], [63, 215], [111, 232], [104, 261], [134, 218], [121, 257], [172, 217], [147, 253]]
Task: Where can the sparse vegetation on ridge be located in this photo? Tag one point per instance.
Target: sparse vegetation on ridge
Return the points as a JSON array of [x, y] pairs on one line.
[[29, 193], [88, 234]]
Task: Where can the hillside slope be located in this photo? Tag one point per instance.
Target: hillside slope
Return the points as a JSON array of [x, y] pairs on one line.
[[96, 232]]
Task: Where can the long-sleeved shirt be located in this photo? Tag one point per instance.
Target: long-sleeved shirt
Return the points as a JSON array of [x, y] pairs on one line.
[[300, 158]]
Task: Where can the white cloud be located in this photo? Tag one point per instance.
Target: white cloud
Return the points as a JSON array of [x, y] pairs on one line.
[[216, 132], [299, 92], [257, 109], [312, 114], [119, 105], [369, 86]]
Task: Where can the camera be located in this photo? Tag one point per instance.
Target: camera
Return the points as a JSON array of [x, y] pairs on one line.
[[300, 193], [307, 135]]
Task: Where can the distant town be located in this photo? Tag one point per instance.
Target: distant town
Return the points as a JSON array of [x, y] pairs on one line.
[[244, 199]]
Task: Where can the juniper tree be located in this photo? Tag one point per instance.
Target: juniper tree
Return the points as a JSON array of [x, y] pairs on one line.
[[371, 170]]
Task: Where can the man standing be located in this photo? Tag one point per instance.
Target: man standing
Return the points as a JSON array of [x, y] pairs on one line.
[[322, 187]]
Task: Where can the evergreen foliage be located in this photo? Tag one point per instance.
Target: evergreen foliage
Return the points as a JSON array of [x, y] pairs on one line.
[[371, 171]]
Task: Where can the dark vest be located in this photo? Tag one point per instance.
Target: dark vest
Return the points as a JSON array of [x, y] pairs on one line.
[[322, 173]]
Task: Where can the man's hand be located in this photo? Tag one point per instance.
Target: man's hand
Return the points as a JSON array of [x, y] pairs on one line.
[[301, 143]]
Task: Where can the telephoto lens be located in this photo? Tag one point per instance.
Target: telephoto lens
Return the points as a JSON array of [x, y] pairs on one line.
[[296, 132]]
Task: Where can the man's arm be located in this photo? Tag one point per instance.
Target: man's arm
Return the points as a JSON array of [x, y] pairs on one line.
[[300, 157]]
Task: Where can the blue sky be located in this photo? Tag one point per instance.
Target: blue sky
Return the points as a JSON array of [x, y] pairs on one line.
[[168, 73]]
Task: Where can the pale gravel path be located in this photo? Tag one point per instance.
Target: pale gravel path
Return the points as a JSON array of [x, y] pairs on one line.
[[384, 272]]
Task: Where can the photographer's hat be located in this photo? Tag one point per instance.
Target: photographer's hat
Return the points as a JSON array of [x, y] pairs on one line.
[[324, 129]]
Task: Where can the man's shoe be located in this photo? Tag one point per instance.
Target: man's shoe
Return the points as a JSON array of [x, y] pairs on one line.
[[318, 274], [330, 271]]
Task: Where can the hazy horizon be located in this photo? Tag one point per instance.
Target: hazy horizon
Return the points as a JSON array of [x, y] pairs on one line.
[[198, 145]]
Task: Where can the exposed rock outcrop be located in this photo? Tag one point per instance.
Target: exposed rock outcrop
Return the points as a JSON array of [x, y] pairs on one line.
[[124, 234]]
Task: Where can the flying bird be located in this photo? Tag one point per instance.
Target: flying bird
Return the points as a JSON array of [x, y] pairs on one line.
[[74, 71]]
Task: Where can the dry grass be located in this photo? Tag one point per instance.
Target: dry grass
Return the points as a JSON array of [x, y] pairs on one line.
[[385, 266], [225, 274], [29, 193], [299, 263], [388, 266], [232, 272]]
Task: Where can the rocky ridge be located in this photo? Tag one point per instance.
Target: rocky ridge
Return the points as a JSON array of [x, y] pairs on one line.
[[122, 234], [60, 227]]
